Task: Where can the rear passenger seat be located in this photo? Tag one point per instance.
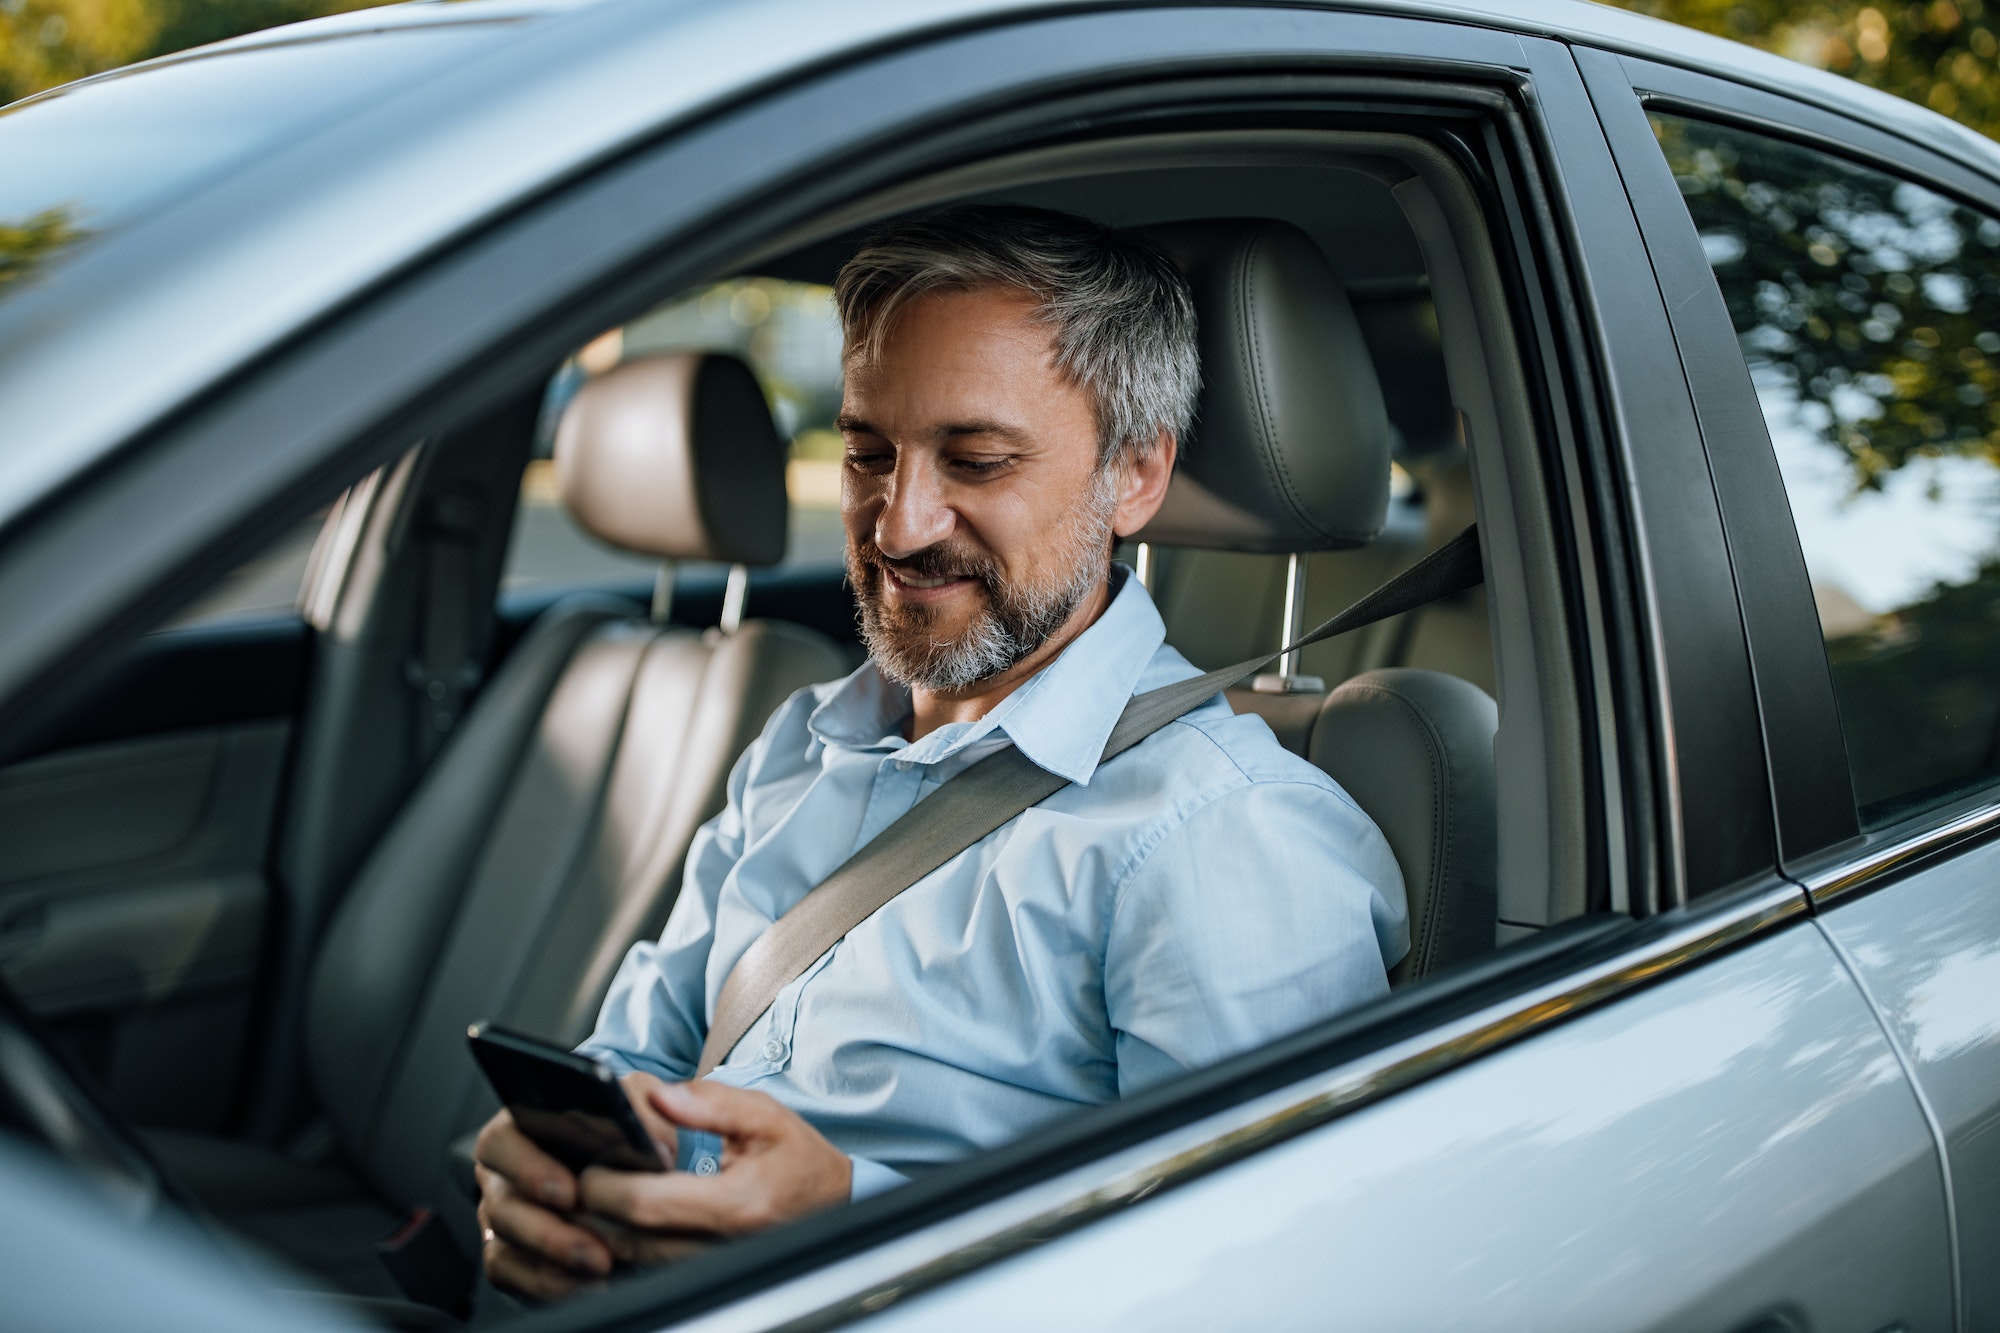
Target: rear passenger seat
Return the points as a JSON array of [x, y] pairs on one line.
[[549, 834]]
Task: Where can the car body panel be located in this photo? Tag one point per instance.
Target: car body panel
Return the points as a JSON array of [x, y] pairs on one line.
[[1927, 949], [1736, 1143]]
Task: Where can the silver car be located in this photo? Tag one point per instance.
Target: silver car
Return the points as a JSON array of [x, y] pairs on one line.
[[328, 730]]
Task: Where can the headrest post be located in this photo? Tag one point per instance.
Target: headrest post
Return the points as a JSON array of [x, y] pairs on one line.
[[733, 597], [1142, 565], [1295, 610], [663, 592], [1288, 680]]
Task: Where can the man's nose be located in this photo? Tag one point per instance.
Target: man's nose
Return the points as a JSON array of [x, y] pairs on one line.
[[914, 515]]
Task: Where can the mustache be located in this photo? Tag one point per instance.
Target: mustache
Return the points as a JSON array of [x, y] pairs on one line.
[[942, 561]]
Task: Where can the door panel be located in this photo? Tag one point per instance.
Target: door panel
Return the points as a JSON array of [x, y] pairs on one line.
[[1735, 1145], [1928, 950], [133, 887]]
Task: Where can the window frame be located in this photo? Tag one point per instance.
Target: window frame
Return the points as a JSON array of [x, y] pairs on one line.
[[1822, 845]]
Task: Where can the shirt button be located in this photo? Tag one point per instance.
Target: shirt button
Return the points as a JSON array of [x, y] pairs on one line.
[[774, 1049], [902, 765], [704, 1165]]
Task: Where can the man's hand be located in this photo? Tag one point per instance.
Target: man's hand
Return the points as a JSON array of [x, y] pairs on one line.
[[775, 1167], [527, 1201]]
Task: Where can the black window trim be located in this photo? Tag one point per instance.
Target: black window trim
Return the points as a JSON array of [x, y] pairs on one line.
[[286, 432], [1812, 798]]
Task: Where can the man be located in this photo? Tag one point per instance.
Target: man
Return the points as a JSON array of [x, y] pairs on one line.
[[1016, 386]]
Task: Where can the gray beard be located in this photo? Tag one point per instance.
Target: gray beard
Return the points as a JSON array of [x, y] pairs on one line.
[[1015, 622]]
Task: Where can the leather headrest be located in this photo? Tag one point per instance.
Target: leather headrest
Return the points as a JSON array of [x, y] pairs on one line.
[[676, 456], [1291, 445]]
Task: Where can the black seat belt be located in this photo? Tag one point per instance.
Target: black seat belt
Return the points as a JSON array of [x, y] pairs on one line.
[[446, 669], [997, 789]]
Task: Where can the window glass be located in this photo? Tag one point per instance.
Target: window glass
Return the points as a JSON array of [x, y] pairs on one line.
[[1868, 308], [788, 334], [267, 585]]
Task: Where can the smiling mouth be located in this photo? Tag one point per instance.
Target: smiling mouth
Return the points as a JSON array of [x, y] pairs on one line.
[[912, 581]]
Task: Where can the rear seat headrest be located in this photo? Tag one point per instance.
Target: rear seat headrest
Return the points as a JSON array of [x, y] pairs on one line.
[[676, 456], [1291, 445]]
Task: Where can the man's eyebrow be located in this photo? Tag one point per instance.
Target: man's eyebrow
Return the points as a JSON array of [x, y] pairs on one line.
[[998, 429], [852, 425]]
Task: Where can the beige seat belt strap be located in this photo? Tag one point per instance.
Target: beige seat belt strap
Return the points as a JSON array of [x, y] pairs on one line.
[[997, 789]]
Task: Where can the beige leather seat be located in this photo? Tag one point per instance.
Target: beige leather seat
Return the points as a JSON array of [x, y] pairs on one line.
[[1291, 455], [549, 834]]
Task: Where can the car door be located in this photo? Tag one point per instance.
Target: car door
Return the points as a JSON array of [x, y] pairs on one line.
[[135, 839], [1861, 275]]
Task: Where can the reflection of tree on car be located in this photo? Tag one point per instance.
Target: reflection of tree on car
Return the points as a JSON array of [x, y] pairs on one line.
[[26, 243]]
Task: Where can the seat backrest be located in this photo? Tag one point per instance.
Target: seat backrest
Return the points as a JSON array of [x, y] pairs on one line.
[[1414, 749], [552, 829], [1292, 456]]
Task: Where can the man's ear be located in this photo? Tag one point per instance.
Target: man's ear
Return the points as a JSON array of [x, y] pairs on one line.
[[1142, 485]]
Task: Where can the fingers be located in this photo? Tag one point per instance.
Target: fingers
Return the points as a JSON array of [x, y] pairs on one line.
[[645, 1248], [666, 1140], [669, 1201], [515, 1270], [717, 1108], [528, 1226], [503, 1148]]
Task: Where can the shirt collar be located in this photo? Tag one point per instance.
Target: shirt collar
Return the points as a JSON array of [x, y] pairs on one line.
[[1060, 717]]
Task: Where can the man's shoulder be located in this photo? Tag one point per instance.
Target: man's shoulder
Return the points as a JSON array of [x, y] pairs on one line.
[[1209, 753], [1214, 739], [1214, 746]]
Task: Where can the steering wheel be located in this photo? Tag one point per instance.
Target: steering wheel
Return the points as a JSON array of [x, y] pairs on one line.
[[43, 1098]]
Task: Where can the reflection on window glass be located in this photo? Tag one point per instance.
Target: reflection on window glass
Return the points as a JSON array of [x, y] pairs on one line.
[[1869, 310], [788, 333], [265, 586]]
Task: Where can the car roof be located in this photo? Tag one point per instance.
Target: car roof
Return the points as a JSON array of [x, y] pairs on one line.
[[388, 132]]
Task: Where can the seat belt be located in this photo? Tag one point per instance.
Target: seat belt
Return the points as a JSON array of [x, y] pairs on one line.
[[1000, 787], [446, 670]]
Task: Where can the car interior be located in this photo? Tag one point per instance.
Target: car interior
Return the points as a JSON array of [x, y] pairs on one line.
[[257, 883]]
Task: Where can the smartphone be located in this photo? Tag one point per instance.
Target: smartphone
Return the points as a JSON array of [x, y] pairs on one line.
[[567, 1103]]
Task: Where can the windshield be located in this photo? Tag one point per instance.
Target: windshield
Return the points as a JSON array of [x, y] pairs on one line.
[[89, 158]]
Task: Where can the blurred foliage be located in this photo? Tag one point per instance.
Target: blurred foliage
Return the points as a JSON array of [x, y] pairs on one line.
[[48, 42], [1872, 301], [1918, 699], [25, 244], [1939, 54]]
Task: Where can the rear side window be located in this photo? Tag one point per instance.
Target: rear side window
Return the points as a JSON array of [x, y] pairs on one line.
[[1868, 308], [789, 336]]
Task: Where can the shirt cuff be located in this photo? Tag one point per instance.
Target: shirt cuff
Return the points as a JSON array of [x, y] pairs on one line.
[[872, 1178], [700, 1151]]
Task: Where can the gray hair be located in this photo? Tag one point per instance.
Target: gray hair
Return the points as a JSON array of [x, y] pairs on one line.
[[1122, 314]]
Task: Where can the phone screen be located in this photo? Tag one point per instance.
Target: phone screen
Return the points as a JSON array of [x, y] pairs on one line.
[[571, 1106]]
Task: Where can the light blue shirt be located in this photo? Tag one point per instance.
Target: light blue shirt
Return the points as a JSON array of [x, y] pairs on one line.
[[1199, 895]]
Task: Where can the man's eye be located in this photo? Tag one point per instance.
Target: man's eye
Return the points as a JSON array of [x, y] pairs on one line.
[[980, 467], [869, 461]]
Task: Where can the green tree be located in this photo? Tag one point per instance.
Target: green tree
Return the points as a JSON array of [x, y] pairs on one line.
[[44, 43], [1939, 54]]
